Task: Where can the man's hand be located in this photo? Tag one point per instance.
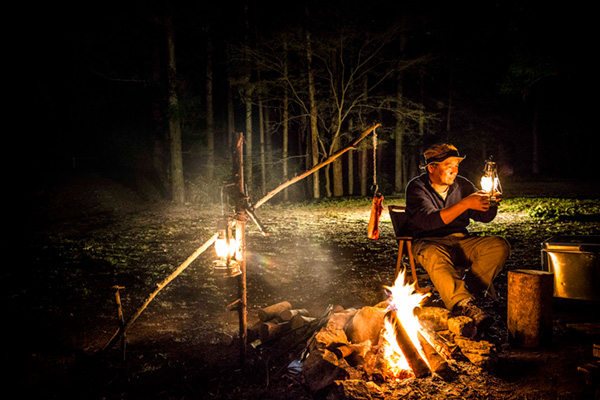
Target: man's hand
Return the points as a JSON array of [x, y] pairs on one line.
[[479, 201], [497, 198]]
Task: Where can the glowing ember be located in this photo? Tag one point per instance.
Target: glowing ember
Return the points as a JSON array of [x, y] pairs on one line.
[[403, 299]]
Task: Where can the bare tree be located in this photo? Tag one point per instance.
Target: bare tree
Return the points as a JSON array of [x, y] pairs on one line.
[[177, 183], [400, 177], [335, 76], [286, 125], [210, 118], [314, 129]]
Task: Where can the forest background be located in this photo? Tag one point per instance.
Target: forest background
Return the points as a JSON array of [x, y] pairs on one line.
[[154, 93]]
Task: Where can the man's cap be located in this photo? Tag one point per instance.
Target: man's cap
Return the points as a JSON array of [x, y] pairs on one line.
[[439, 152]]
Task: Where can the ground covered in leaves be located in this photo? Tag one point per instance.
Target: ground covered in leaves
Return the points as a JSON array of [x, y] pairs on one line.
[[88, 235]]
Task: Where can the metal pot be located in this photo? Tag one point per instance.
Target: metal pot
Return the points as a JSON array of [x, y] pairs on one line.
[[575, 263]]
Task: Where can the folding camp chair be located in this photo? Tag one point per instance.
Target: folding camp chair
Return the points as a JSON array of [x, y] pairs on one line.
[[400, 224]]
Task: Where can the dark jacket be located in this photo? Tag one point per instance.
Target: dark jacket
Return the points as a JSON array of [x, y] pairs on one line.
[[423, 206]]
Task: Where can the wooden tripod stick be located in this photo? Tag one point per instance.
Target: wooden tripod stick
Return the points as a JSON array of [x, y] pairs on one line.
[[320, 165]]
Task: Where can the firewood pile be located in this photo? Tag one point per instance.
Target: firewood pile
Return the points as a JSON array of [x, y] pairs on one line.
[[343, 357], [279, 320]]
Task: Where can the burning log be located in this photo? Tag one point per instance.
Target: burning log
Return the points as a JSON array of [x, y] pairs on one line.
[[437, 363], [273, 311], [416, 363], [378, 368], [439, 343]]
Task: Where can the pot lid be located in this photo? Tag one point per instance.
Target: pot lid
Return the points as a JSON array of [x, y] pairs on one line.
[[588, 243]]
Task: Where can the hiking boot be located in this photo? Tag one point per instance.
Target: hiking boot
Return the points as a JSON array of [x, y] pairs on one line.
[[467, 308]]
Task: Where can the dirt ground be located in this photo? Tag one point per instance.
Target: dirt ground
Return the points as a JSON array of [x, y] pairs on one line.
[[87, 236]]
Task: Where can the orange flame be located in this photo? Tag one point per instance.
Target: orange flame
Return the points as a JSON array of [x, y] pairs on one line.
[[404, 299]]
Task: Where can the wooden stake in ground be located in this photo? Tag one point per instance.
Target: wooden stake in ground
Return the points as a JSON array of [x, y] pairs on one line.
[[121, 319], [241, 207]]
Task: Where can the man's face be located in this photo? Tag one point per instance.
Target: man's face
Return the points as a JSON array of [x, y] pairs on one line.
[[445, 172]]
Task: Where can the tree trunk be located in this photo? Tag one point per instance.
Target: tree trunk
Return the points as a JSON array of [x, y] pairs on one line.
[[338, 177], [350, 164], [210, 120], [351, 173], [328, 181], [249, 161], [399, 180], [177, 183], [261, 134], [422, 108], [314, 135], [286, 112], [268, 138], [248, 101], [363, 169], [364, 152], [399, 175]]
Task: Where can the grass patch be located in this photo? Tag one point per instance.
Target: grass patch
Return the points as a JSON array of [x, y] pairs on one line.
[[545, 209], [552, 209]]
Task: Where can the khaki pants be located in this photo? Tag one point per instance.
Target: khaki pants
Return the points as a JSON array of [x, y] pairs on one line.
[[483, 255]]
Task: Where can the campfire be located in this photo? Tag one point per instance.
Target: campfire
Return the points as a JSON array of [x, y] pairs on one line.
[[395, 340], [404, 349]]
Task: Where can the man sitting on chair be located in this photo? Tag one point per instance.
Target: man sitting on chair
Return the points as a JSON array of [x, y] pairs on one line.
[[439, 205]]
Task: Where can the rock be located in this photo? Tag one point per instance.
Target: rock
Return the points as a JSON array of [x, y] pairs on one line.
[[339, 319], [366, 324], [326, 337], [321, 373]]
